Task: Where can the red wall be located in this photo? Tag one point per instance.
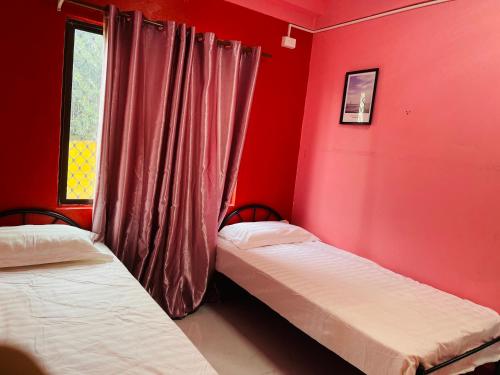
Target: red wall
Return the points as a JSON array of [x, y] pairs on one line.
[[337, 11], [30, 102], [299, 12], [418, 191]]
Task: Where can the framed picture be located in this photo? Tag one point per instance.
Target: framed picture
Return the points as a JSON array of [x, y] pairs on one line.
[[359, 97]]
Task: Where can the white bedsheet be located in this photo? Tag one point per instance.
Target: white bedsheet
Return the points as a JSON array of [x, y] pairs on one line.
[[92, 318], [379, 321]]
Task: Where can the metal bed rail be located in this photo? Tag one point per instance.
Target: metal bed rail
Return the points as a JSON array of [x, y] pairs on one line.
[[24, 212]]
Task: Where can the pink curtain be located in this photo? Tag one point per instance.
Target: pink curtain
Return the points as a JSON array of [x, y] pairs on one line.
[[176, 109]]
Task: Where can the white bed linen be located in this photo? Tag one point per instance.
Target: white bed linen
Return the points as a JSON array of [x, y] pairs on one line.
[[247, 235], [26, 245], [379, 321], [92, 318]]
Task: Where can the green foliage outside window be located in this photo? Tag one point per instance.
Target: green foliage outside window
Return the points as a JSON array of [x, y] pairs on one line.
[[87, 71]]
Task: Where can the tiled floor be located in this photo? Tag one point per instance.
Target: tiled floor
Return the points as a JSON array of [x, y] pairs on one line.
[[242, 336]]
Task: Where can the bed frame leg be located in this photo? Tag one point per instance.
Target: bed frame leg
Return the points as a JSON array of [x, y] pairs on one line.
[[420, 370], [212, 294]]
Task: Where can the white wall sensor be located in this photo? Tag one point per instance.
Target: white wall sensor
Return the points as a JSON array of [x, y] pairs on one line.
[[288, 42]]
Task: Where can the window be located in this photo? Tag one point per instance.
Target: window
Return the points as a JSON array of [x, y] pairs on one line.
[[83, 62]]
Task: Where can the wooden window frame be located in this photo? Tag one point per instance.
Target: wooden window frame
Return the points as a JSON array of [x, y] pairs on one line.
[[69, 44]]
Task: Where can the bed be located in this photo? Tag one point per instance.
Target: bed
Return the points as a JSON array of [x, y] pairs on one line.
[[90, 317], [379, 321]]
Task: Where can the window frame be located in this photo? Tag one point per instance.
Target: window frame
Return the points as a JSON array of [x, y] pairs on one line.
[[69, 45]]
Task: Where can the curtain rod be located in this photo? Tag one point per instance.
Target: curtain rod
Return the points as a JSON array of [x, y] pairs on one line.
[[102, 9]]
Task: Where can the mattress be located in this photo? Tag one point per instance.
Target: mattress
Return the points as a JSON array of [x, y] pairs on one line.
[[379, 321], [92, 318]]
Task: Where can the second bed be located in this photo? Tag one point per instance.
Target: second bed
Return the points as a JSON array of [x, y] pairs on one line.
[[378, 320]]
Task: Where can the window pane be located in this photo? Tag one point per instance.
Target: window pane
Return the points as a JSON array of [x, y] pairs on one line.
[[85, 99]]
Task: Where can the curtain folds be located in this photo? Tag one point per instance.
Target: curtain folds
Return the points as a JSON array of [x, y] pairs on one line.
[[176, 108]]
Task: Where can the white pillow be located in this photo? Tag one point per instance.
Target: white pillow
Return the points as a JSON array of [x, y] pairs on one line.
[[264, 233], [27, 245]]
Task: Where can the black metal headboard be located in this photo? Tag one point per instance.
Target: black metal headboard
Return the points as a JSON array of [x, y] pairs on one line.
[[250, 212], [24, 212]]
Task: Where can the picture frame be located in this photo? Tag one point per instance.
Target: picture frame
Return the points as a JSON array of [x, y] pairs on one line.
[[358, 102]]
